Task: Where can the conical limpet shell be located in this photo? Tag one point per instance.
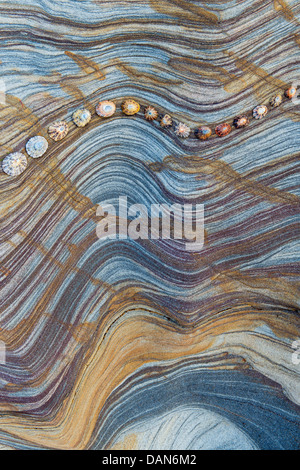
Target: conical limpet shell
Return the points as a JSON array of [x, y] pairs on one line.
[[182, 130], [260, 111], [58, 130], [81, 117], [36, 146], [151, 113], [203, 132], [275, 101], [223, 129], [240, 121], [130, 107], [106, 109], [166, 121], [14, 164], [291, 92]]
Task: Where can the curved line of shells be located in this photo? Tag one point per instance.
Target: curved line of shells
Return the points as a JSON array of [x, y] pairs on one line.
[[15, 163]]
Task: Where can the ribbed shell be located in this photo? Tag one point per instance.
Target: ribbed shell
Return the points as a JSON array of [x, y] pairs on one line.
[[151, 113], [260, 111], [58, 130], [166, 121], [14, 164], [105, 109], [240, 121], [182, 130], [130, 107], [81, 117], [275, 100], [223, 129], [36, 146]]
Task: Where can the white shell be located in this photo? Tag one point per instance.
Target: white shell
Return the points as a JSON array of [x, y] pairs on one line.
[[36, 146], [182, 130], [260, 111], [14, 164]]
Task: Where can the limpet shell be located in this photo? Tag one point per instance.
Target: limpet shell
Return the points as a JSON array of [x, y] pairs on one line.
[[291, 92], [130, 107], [203, 132], [223, 129], [182, 130], [14, 164], [58, 130], [36, 146], [166, 121], [275, 100], [151, 113], [240, 121], [105, 108], [81, 117], [260, 111]]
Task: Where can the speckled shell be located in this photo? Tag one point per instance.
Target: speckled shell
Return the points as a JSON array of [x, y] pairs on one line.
[[240, 121], [151, 113], [223, 129], [130, 107], [81, 117], [275, 100], [291, 92], [106, 109], [203, 132], [36, 146], [58, 130], [260, 111], [14, 164], [166, 121], [182, 130]]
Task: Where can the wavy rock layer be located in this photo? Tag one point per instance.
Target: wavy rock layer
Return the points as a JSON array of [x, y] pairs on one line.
[[142, 344]]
